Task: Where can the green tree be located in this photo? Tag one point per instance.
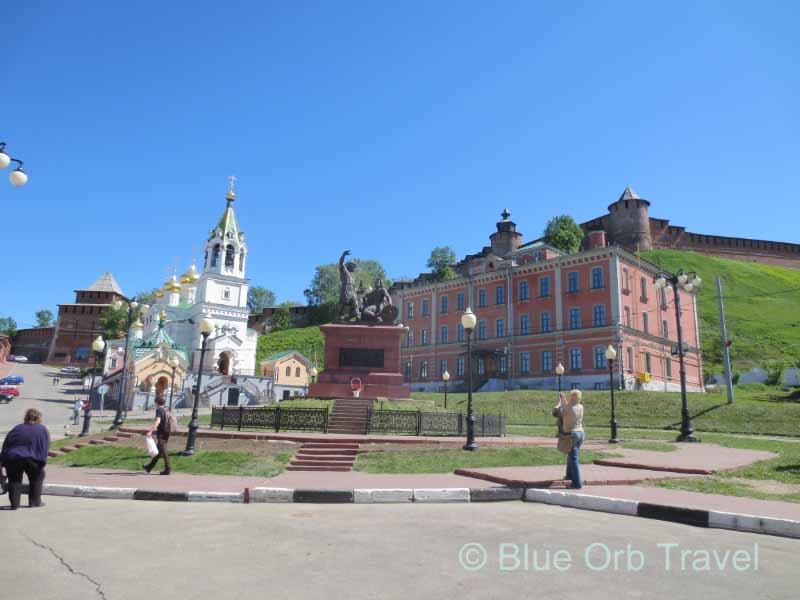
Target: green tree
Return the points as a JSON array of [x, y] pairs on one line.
[[8, 326], [113, 321], [441, 262], [282, 318], [325, 284], [44, 318], [259, 298], [564, 233], [147, 297]]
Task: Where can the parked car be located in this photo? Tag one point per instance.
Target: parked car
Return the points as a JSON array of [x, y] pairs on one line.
[[71, 370], [6, 397], [9, 389], [12, 380], [21, 358]]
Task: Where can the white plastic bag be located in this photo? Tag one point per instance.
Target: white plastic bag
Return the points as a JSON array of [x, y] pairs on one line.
[[152, 449]]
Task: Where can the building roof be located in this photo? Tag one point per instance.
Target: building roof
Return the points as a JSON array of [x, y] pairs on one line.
[[279, 355], [158, 339], [629, 194], [105, 283], [227, 222]]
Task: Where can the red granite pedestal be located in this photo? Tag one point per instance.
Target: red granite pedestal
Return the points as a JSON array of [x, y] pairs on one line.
[[368, 352]]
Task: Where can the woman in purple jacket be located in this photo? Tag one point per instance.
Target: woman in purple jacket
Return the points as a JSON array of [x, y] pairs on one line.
[[25, 451]]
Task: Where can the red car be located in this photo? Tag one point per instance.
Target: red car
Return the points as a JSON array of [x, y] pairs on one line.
[[9, 389]]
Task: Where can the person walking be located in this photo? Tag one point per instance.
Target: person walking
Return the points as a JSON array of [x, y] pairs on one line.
[[76, 412], [570, 415], [163, 427], [25, 451]]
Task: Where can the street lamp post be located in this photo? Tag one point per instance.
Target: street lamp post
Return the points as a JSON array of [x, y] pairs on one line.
[[559, 372], [17, 177], [206, 327], [312, 374], [445, 378], [468, 321], [173, 362], [687, 282], [98, 345], [611, 354], [132, 306]]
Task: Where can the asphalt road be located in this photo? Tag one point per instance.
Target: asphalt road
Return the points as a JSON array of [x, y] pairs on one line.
[[84, 549], [38, 391]]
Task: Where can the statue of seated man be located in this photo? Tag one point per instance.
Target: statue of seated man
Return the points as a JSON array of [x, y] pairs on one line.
[[378, 305]]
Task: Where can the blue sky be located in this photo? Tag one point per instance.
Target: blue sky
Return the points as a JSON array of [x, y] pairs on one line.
[[386, 128]]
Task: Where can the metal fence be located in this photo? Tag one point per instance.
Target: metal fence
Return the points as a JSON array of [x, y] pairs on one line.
[[410, 422], [268, 417]]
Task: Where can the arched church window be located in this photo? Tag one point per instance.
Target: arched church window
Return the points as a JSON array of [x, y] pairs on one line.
[[205, 260], [241, 260], [297, 372], [215, 256], [288, 371], [229, 254]]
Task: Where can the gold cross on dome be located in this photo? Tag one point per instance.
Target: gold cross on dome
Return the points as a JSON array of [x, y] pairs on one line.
[[231, 186]]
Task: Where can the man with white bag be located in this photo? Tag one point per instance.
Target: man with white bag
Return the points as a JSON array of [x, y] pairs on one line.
[[163, 426]]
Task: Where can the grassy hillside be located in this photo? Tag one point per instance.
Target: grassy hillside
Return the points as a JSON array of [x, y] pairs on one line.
[[307, 340], [762, 308]]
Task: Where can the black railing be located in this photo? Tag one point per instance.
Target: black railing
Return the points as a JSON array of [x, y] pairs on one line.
[[275, 418], [411, 422]]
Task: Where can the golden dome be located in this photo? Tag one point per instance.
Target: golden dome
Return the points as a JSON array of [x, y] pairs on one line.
[[162, 316], [137, 324], [172, 285], [159, 294], [191, 275]]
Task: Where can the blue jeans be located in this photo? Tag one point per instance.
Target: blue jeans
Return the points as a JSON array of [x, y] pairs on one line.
[[573, 466]]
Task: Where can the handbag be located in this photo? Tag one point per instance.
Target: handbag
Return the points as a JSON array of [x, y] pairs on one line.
[[565, 443], [152, 449], [3, 481]]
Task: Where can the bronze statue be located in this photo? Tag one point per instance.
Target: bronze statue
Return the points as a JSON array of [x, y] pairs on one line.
[[368, 306]]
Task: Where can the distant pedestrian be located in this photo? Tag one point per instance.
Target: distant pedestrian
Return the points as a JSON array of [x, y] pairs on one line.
[[25, 451], [570, 415], [76, 412], [162, 426]]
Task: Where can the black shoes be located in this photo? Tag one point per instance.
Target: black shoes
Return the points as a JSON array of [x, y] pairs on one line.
[[165, 472], [147, 467]]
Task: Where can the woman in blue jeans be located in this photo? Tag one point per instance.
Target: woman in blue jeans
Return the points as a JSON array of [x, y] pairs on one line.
[[571, 421]]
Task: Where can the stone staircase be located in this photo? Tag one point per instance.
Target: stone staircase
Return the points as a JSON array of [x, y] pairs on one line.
[[349, 416], [324, 456], [107, 439]]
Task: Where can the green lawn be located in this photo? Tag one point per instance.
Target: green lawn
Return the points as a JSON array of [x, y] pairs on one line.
[[306, 340], [759, 409], [446, 461], [204, 462]]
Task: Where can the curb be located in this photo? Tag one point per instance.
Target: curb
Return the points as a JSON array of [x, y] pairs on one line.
[[711, 519]]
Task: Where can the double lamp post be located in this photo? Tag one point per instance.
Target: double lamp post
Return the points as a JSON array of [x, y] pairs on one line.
[[98, 347]]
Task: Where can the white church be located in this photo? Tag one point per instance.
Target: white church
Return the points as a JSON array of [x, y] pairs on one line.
[[218, 292]]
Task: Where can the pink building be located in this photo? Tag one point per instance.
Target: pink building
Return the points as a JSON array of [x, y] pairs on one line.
[[538, 307]]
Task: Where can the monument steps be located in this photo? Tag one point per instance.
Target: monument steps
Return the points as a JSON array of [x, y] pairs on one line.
[[309, 468], [324, 456]]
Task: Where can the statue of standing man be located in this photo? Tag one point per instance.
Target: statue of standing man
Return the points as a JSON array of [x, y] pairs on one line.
[[349, 309]]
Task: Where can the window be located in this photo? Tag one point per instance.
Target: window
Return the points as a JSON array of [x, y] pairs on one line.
[[648, 362], [631, 365], [241, 260], [410, 310], [599, 357], [645, 322], [424, 337], [597, 277], [626, 281], [409, 338], [546, 322], [297, 372], [544, 287], [226, 294], [423, 369], [442, 366], [460, 302], [572, 282], [524, 324], [444, 302], [481, 298], [665, 328], [500, 295], [599, 315], [644, 289], [502, 364], [481, 366], [500, 328], [547, 361], [663, 297], [288, 371], [575, 359], [113, 363], [668, 365], [460, 332], [230, 253], [524, 362], [481, 330], [426, 308], [215, 256], [523, 290], [443, 334], [574, 318], [460, 366]]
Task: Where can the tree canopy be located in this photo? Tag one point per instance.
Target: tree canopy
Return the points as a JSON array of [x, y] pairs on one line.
[[44, 318], [8, 326], [564, 233], [259, 298], [325, 284], [147, 297], [441, 261]]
